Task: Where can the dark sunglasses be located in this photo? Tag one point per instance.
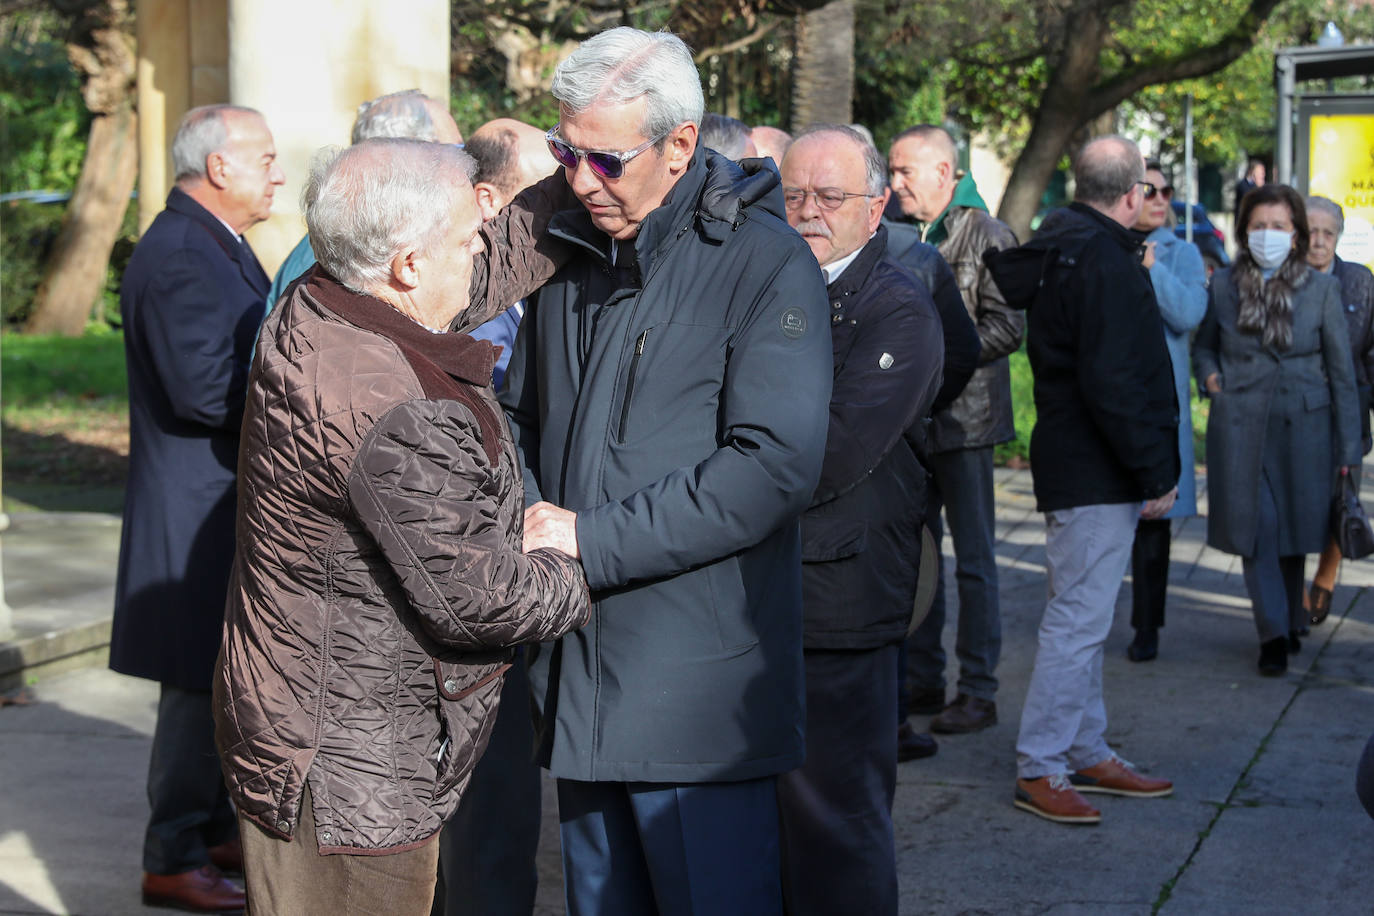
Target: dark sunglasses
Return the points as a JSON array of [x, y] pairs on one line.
[[1151, 190], [606, 163]]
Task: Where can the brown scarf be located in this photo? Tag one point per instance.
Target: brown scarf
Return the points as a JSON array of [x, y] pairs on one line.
[[1266, 308]]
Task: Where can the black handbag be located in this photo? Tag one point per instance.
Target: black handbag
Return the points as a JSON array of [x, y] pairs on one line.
[[1349, 524]]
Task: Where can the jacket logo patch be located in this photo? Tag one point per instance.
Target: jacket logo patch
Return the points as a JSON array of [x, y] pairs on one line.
[[793, 323], [885, 361]]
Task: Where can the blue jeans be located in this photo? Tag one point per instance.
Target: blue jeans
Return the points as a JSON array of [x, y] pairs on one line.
[[961, 481]]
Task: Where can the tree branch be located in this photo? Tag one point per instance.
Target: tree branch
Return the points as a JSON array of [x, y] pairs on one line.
[[1197, 62], [739, 43]]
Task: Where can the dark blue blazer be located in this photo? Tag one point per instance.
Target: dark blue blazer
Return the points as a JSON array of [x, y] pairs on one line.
[[192, 300]]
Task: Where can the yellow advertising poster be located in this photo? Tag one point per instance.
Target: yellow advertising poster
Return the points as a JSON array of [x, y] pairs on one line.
[[1341, 167]]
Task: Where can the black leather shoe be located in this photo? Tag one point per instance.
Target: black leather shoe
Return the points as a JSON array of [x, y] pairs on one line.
[[913, 745], [1318, 603], [1145, 646], [965, 714], [1273, 659], [926, 701]]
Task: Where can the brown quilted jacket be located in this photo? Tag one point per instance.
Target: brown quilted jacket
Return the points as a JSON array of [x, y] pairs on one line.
[[379, 580]]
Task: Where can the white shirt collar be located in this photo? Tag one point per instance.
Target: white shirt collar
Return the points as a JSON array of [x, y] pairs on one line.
[[833, 270]]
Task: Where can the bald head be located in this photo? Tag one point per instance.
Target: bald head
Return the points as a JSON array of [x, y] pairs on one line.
[[1105, 178], [771, 142], [511, 155]]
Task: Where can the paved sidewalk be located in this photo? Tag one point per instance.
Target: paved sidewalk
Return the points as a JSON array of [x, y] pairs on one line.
[[1264, 818]]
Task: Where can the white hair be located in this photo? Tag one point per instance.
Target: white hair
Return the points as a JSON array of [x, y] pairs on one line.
[[623, 64], [202, 131], [875, 166], [367, 203], [401, 115]]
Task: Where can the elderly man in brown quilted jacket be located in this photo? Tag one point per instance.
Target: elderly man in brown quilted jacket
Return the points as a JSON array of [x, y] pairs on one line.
[[379, 583]]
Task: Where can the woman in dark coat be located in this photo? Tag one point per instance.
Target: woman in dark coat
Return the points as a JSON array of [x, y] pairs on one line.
[[1326, 222], [1274, 356]]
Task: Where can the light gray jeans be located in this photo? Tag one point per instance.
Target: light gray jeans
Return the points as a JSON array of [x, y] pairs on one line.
[[1064, 721]]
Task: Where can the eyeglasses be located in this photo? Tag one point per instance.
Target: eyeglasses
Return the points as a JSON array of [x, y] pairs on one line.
[[1151, 190], [826, 198], [606, 163]]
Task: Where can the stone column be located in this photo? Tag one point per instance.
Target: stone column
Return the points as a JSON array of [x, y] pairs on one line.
[[306, 65]]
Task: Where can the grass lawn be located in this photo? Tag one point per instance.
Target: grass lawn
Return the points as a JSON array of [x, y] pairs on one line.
[[1023, 411], [64, 409]]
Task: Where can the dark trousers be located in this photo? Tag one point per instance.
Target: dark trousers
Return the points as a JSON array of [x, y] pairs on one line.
[[837, 847], [190, 805], [488, 847], [961, 484], [1274, 582], [1150, 572], [638, 849], [291, 877]]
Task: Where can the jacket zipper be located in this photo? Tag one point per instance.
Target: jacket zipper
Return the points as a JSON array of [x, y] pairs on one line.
[[630, 385]]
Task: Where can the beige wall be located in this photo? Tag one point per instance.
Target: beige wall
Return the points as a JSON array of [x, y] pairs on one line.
[[305, 64]]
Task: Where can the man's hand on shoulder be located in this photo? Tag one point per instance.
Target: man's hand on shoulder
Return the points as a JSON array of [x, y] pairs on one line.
[[546, 525]]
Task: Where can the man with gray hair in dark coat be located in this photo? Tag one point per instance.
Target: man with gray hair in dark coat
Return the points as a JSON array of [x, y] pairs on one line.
[[668, 393], [1103, 455]]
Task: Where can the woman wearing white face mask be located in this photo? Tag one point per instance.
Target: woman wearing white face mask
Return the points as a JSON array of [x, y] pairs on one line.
[[1326, 221], [1274, 356]]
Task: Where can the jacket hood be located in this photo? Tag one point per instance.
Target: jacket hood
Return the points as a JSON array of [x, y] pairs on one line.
[[965, 195], [732, 187]]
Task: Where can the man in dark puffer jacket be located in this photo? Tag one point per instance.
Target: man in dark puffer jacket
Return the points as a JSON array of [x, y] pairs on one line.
[[379, 581]]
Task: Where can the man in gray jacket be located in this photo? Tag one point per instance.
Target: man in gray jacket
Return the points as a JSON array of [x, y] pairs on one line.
[[669, 391], [923, 169]]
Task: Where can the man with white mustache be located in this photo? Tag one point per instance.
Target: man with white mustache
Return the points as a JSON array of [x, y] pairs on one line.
[[861, 532]]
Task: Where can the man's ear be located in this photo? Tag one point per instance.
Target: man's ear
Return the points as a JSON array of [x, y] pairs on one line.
[[682, 144], [876, 206], [217, 170], [488, 200], [405, 269]]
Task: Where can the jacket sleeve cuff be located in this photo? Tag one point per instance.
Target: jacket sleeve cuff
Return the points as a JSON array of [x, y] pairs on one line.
[[589, 548]]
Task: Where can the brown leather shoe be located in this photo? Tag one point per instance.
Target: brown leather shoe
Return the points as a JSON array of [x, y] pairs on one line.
[[1052, 798], [1115, 776], [965, 714], [914, 745], [204, 890], [228, 856]]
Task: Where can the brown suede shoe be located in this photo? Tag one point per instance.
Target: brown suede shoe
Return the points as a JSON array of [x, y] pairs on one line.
[[1052, 798], [1115, 776], [204, 890], [965, 714], [228, 856]]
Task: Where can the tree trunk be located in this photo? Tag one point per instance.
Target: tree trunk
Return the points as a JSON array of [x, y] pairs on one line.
[[101, 48], [75, 272], [1056, 119], [823, 73]]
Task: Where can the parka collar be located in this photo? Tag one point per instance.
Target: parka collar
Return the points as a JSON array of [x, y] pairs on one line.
[[458, 355]]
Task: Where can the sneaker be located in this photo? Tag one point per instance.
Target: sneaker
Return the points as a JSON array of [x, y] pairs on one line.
[[1115, 776], [1052, 798], [926, 701], [965, 714]]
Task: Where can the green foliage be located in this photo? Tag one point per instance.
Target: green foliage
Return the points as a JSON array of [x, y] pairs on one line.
[[43, 120], [43, 372]]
